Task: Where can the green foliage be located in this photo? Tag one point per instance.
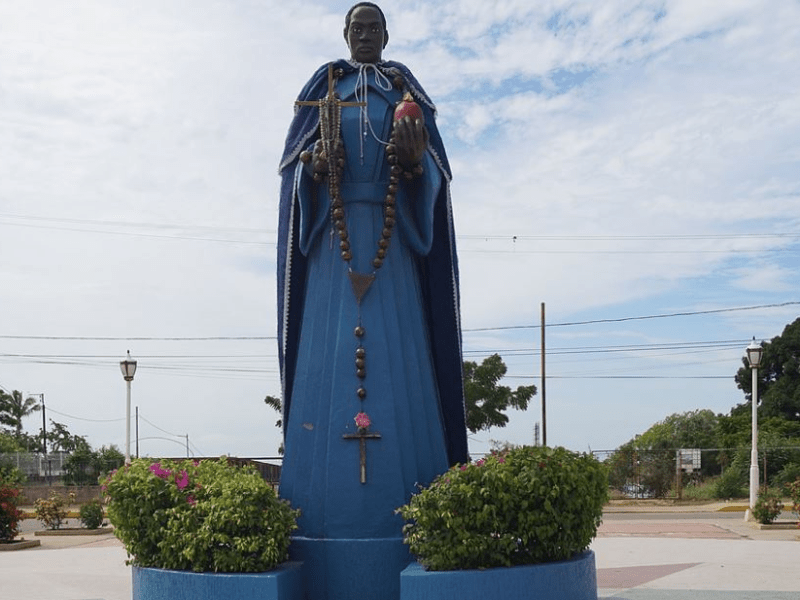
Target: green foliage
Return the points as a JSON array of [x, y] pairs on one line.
[[529, 505], [206, 516], [14, 407], [85, 466], [9, 444], [731, 484], [486, 401], [53, 511], [778, 376], [794, 493], [768, 507], [10, 514], [61, 439], [91, 514], [10, 475]]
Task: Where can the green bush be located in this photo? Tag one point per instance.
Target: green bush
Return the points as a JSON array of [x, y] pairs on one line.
[[10, 514], [53, 511], [91, 514], [794, 494], [528, 505], [730, 484], [768, 507], [206, 516]]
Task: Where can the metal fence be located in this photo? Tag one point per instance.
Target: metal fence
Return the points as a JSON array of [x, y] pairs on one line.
[[37, 466], [637, 473], [70, 469]]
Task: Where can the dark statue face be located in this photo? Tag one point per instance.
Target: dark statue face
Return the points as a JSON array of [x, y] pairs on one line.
[[366, 36]]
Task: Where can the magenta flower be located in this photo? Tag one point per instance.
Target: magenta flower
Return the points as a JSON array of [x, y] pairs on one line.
[[159, 472], [362, 420], [182, 480], [463, 467], [480, 462], [191, 500]]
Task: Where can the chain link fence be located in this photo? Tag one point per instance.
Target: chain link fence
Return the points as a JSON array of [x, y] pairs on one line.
[[676, 472]]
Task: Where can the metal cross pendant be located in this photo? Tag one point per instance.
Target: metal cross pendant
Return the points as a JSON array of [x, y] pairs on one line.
[[362, 437]]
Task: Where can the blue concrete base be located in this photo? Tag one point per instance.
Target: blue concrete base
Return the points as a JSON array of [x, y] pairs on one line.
[[574, 579], [284, 583], [356, 569]]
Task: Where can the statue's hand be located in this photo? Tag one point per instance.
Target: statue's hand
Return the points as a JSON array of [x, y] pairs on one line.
[[319, 159], [411, 139]]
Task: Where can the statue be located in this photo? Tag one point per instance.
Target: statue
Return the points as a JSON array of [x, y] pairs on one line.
[[368, 305]]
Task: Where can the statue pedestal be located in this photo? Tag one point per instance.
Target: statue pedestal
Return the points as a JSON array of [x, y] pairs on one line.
[[351, 569]]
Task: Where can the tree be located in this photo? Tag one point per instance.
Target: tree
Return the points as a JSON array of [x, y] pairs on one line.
[[14, 408], [649, 458], [778, 376], [275, 403], [62, 440], [486, 400]]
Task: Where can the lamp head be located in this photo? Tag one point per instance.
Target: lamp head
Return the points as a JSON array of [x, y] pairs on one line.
[[128, 367], [754, 353]]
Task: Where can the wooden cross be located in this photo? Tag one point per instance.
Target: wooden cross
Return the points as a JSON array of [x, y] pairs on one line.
[[330, 100], [362, 437]]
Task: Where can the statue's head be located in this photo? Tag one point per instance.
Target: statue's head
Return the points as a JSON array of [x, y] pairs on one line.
[[365, 32]]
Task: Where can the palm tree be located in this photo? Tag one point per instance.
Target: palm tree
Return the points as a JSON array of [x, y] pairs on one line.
[[13, 408]]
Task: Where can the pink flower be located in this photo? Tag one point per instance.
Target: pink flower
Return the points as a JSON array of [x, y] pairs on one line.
[[480, 462], [463, 467], [182, 480], [501, 460], [159, 472], [191, 500], [362, 420]]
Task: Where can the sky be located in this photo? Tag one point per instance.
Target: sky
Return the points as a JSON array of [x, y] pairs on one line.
[[631, 166]]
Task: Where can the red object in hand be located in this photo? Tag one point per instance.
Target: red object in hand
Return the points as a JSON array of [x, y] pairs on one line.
[[408, 108]]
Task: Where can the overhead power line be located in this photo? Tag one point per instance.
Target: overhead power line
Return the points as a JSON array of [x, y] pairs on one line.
[[639, 318]]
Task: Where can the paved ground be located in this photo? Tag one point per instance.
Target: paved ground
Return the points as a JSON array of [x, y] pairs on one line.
[[642, 553]]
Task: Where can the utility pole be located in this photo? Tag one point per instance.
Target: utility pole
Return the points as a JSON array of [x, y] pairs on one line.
[[137, 432], [544, 395]]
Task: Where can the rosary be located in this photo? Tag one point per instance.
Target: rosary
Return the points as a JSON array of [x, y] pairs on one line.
[[330, 117]]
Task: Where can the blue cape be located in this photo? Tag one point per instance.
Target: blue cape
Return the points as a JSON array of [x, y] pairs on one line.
[[438, 270]]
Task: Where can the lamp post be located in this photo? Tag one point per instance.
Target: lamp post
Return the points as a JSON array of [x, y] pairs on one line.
[[128, 368], [754, 354]]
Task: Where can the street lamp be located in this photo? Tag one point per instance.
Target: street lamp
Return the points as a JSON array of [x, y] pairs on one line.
[[754, 354], [128, 368]]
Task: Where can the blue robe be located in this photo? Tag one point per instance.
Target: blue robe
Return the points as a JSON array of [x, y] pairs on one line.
[[410, 314]]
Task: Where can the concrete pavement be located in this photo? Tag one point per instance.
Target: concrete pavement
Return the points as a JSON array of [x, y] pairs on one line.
[[702, 558]]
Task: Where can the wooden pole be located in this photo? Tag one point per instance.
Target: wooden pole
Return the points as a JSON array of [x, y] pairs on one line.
[[544, 394]]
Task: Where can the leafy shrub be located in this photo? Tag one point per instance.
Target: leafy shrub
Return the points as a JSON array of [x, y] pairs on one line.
[[9, 511], [91, 514], [206, 516], [529, 505], [730, 484], [787, 475], [794, 494], [768, 507], [53, 512]]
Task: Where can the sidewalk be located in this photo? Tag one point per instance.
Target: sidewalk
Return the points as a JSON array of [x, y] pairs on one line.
[[638, 558]]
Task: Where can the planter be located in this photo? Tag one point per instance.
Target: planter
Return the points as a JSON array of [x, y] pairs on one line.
[[18, 545], [283, 583], [75, 531], [574, 579]]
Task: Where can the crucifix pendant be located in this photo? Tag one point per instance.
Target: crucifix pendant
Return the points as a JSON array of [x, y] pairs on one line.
[[362, 437]]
